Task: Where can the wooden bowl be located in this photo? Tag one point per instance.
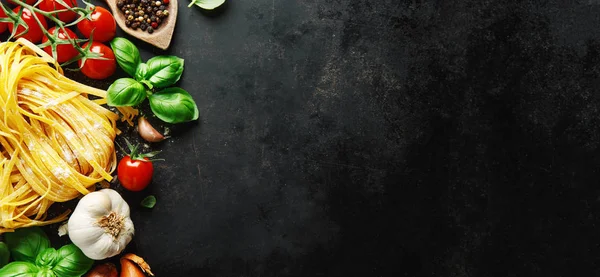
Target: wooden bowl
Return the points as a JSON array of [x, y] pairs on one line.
[[161, 37]]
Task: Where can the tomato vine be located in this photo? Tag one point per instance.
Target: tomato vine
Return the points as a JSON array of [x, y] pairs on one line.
[[51, 39]]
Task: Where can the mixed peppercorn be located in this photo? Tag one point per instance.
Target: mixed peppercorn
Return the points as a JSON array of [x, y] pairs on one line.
[[146, 15]]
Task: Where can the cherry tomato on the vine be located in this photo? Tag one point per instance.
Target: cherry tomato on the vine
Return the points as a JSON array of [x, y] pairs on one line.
[[64, 52], [35, 33], [3, 25], [53, 5], [29, 2], [99, 68], [135, 174], [102, 24]]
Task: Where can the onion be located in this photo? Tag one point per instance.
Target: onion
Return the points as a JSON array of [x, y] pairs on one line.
[[134, 266], [147, 132], [103, 270], [130, 269]]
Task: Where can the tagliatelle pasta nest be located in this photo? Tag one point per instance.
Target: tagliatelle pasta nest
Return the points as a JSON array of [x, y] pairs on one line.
[[56, 142]]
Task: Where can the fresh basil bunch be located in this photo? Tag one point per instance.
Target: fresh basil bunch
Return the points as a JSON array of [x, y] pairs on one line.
[[151, 80], [33, 256]]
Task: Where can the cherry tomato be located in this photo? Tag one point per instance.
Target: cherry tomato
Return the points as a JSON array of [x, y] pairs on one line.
[[35, 33], [135, 175], [29, 2], [3, 25], [96, 68], [53, 5], [102, 24], [64, 52]]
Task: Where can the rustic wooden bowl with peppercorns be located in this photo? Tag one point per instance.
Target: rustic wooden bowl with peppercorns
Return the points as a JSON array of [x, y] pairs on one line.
[[152, 21]]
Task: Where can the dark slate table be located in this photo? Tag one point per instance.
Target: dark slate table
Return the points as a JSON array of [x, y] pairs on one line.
[[381, 138]]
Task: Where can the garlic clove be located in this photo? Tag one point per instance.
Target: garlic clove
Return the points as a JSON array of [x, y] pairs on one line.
[[147, 132]]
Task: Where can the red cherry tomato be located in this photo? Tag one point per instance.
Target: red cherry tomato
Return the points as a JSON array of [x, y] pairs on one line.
[[64, 52], [3, 26], [96, 68], [29, 2], [35, 33], [53, 5], [135, 175], [102, 24]]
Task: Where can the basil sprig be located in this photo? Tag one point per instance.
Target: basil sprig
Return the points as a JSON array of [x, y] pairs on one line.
[[33, 256], [152, 80]]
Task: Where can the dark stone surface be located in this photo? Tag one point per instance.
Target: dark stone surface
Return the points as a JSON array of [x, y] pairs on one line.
[[382, 138]]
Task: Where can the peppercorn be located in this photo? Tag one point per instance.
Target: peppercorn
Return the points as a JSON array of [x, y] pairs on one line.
[[143, 14]]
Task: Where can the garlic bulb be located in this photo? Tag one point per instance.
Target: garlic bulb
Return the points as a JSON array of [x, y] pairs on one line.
[[100, 225]]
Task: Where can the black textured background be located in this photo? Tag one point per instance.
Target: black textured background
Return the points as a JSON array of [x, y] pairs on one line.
[[381, 138]]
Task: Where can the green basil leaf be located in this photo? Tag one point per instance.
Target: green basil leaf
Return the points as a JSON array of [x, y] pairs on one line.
[[125, 92], [173, 105], [164, 71], [4, 254], [141, 72], [207, 4], [19, 269], [26, 243], [149, 202], [46, 272], [48, 257], [126, 54], [71, 262]]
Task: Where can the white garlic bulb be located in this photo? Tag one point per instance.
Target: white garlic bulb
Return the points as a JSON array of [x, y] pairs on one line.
[[100, 225]]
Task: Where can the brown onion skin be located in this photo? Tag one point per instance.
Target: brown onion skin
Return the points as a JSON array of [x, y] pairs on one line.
[[103, 270], [147, 132], [130, 269]]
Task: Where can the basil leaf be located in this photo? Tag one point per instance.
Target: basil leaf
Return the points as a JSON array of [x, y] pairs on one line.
[[71, 262], [26, 243], [207, 4], [173, 105], [4, 254], [141, 71], [164, 71], [19, 269], [149, 202], [48, 257], [125, 92], [126, 54]]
